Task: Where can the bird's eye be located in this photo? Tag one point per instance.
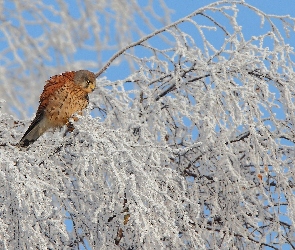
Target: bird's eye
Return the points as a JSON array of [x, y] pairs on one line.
[[88, 82]]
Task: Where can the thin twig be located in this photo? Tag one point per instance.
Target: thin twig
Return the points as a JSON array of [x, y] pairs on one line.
[[104, 68]]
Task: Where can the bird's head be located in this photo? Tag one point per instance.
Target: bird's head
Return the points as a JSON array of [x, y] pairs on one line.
[[86, 80]]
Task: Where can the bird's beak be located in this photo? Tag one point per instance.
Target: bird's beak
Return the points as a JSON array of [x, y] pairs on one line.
[[92, 87]]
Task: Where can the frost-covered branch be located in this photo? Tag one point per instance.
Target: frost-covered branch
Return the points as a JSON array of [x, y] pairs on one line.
[[193, 150]]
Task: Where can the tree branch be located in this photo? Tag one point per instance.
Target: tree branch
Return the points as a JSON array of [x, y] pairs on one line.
[[116, 55]]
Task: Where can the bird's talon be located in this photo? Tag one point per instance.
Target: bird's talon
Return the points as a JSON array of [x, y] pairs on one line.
[[70, 127]]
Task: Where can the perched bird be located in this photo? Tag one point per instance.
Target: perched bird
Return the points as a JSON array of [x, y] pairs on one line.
[[63, 96]]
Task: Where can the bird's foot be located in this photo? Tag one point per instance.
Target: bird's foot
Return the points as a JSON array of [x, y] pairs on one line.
[[70, 128]]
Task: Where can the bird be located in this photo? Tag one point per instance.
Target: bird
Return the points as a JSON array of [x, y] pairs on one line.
[[62, 97]]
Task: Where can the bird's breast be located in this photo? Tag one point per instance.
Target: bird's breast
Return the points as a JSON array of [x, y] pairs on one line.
[[63, 103]]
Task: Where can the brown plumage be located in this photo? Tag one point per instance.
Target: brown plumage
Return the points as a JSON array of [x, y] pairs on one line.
[[63, 95]]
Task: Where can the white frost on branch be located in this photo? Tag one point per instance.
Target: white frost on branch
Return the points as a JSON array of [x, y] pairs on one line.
[[197, 154]]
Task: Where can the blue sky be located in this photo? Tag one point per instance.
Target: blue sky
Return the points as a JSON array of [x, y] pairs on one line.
[[249, 21]]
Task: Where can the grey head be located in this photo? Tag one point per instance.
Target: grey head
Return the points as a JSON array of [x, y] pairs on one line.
[[85, 79]]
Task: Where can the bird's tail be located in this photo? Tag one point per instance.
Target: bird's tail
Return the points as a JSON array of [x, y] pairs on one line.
[[36, 129]]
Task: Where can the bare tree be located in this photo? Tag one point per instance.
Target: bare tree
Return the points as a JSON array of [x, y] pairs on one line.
[[197, 154]]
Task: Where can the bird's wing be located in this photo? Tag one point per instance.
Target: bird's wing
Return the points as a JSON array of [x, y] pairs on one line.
[[53, 84], [38, 125]]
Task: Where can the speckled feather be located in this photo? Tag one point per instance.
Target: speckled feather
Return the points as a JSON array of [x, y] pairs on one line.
[[63, 95]]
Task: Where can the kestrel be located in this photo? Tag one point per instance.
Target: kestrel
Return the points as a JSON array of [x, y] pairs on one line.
[[63, 96]]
